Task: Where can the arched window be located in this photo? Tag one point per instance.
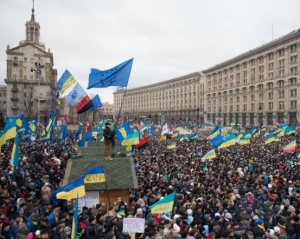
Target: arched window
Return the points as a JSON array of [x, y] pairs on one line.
[[15, 61], [15, 78]]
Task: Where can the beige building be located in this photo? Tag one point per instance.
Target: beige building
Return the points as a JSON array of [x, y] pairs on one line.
[[106, 111], [31, 78], [256, 87], [3, 99], [174, 100]]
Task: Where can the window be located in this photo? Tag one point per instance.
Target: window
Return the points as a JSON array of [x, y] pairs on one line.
[[252, 106], [294, 70], [281, 63], [31, 60], [245, 74], [260, 106], [15, 78], [25, 69], [252, 97], [293, 104], [245, 107], [270, 95], [15, 69], [238, 83], [245, 81], [231, 107], [252, 71], [245, 98], [281, 73], [238, 67], [293, 59], [281, 52], [25, 60], [25, 77], [14, 96], [261, 69], [261, 59], [271, 66], [261, 78], [252, 62], [15, 61], [220, 81], [231, 77], [271, 75], [238, 99], [270, 86], [293, 92], [281, 94], [31, 77], [253, 80], [270, 105], [238, 108], [245, 65], [270, 56], [209, 83], [293, 81], [238, 75], [231, 69], [293, 48]]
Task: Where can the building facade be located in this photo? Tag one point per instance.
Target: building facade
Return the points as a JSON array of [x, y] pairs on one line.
[[3, 99], [175, 100], [31, 78], [260, 86]]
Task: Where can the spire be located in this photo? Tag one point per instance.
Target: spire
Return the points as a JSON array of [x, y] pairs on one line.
[[32, 14]]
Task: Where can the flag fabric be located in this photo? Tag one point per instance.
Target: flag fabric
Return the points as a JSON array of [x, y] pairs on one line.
[[66, 81], [183, 137], [131, 139], [9, 131], [78, 132], [175, 135], [217, 128], [163, 205], [216, 133], [84, 104], [22, 127], [172, 146], [129, 150], [62, 136], [87, 138], [165, 129], [116, 76], [75, 221], [247, 135], [94, 175], [244, 141], [216, 141], [298, 155], [33, 126], [15, 152], [239, 136], [121, 213], [163, 138], [290, 147], [96, 103], [228, 141], [72, 190], [151, 130], [49, 124], [209, 155], [76, 94], [101, 137], [123, 131], [194, 136], [271, 138]]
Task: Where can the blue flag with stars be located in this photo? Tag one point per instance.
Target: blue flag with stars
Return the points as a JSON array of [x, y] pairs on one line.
[[116, 76]]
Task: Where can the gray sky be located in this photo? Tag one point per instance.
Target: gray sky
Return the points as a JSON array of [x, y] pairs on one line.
[[167, 38]]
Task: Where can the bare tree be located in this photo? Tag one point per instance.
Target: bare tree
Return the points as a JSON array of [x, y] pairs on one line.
[[28, 101]]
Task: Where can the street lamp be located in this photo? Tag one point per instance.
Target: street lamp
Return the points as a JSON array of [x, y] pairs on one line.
[[38, 69]]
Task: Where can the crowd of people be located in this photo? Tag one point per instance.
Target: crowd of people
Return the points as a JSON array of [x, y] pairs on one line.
[[250, 192]]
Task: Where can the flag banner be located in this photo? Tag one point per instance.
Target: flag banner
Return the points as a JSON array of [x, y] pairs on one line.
[[94, 175], [65, 81], [87, 138], [15, 152], [271, 138], [244, 141], [96, 102], [9, 131], [123, 131], [116, 76], [216, 141], [228, 141], [33, 125], [72, 190], [22, 127], [75, 95], [165, 129], [75, 221], [131, 139], [84, 104], [290, 147], [209, 155], [163, 205], [171, 146]]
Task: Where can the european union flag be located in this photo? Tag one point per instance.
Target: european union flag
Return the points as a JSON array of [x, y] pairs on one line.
[[116, 76], [122, 132], [97, 103]]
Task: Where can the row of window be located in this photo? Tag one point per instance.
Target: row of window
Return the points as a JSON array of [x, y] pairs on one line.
[[15, 78], [16, 60], [2, 94], [253, 107], [15, 96]]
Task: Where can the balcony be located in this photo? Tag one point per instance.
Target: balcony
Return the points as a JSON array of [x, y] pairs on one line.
[[33, 82], [14, 107], [15, 99], [14, 89], [15, 63]]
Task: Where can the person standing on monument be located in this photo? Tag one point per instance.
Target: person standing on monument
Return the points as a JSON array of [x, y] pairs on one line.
[[108, 137]]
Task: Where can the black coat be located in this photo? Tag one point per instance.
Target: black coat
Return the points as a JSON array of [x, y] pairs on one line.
[[108, 136]]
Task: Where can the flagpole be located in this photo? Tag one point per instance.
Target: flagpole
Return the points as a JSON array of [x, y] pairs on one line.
[[120, 108], [107, 194]]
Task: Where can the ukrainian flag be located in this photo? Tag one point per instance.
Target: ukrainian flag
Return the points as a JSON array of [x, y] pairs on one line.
[[163, 138], [194, 136], [257, 133], [183, 137], [228, 141], [240, 135], [131, 139], [247, 135], [94, 175], [101, 137], [9, 131], [121, 213], [171, 146], [215, 134], [244, 141], [163, 205], [72, 190], [15, 152], [209, 155], [271, 138], [75, 221]]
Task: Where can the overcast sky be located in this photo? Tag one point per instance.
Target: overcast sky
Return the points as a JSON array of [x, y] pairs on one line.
[[167, 38]]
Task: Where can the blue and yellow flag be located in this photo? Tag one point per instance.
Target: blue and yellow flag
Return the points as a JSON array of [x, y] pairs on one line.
[[150, 130], [244, 141], [48, 129], [87, 138], [72, 190], [122, 132], [65, 82], [163, 138], [9, 131], [209, 155], [172, 146], [216, 141], [271, 138], [101, 137], [131, 139], [183, 137], [78, 132], [228, 141], [121, 213], [194, 136], [75, 221], [62, 136], [163, 205], [15, 152], [22, 127], [33, 126], [94, 175], [129, 150]]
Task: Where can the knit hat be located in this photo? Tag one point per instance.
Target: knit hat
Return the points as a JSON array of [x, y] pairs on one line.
[[139, 211], [67, 229], [260, 222]]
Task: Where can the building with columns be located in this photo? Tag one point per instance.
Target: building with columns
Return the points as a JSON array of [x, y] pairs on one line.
[[256, 87], [30, 78], [175, 100]]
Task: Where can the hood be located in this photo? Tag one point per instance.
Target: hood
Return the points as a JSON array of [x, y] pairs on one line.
[[23, 229]]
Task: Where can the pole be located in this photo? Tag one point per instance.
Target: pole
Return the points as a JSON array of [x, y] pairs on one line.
[[120, 108], [38, 97], [107, 194]]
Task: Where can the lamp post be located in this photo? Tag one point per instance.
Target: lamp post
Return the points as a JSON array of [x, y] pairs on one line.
[[38, 69]]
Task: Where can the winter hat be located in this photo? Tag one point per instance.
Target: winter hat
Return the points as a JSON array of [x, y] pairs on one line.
[[228, 215], [67, 229], [277, 229], [260, 222], [4, 224], [92, 218], [189, 212], [139, 211]]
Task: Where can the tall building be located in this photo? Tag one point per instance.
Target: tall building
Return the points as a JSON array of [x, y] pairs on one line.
[[3, 99], [260, 86], [30, 78], [175, 100]]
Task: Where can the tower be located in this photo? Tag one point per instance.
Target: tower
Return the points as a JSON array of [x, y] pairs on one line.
[[30, 75]]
